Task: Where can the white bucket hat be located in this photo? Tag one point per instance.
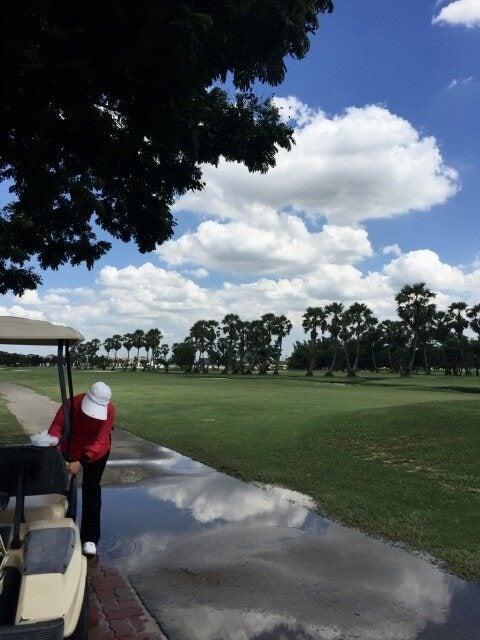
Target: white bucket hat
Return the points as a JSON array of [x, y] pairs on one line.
[[95, 401]]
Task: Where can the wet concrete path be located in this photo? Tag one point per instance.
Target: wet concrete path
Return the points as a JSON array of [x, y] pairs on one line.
[[214, 558]]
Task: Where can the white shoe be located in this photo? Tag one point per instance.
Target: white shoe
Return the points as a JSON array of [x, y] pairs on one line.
[[89, 549]]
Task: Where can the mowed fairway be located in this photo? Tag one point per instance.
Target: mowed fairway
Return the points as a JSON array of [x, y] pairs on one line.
[[397, 458], [8, 423]]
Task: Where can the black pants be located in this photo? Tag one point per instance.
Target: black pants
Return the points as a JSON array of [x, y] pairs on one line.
[[92, 500]]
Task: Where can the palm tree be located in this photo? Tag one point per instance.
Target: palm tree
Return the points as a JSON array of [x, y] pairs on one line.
[[357, 318], [458, 314], [375, 338], [249, 344], [269, 321], [200, 333], [414, 307], [426, 334], [108, 345], [334, 326], [116, 344], [243, 328], [441, 334], [81, 355], [163, 351], [314, 319], [91, 350], [394, 336], [231, 326], [153, 337], [474, 317], [211, 342], [260, 338], [127, 345], [138, 341], [345, 335], [281, 329]]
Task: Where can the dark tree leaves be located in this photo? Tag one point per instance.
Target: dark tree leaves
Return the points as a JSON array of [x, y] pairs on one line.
[[107, 112]]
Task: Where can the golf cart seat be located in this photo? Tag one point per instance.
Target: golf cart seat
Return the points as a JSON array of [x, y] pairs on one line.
[[37, 477], [46, 507]]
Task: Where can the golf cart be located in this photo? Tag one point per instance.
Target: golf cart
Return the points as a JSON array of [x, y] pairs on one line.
[[43, 574]]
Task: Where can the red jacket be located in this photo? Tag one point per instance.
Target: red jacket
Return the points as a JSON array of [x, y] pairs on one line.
[[91, 438]]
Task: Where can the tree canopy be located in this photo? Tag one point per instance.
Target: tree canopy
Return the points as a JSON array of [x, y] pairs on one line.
[[109, 110]]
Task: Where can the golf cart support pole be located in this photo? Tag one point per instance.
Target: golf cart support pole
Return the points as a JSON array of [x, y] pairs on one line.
[[72, 489], [63, 392], [68, 363], [19, 515]]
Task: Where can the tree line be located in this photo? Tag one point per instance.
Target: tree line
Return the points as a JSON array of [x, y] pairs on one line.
[[423, 336], [338, 337], [235, 345]]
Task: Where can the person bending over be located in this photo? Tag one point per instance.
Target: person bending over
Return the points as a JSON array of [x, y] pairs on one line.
[[89, 448]]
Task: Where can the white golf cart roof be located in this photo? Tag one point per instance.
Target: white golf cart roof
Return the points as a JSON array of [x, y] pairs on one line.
[[35, 332]]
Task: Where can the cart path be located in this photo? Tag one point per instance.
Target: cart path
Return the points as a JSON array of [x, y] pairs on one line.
[[33, 411], [213, 558]]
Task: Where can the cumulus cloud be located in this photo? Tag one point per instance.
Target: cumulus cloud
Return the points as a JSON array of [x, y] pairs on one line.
[[285, 246], [199, 273], [465, 13], [21, 312], [149, 295], [392, 249], [364, 163], [83, 292], [425, 265], [32, 298]]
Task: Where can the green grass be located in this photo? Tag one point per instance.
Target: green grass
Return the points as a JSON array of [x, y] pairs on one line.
[[395, 457], [8, 424]]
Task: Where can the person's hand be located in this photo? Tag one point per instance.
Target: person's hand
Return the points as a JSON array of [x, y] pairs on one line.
[[74, 467]]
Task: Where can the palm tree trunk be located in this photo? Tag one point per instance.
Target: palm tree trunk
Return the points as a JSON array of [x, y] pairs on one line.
[[411, 361], [333, 362], [357, 356], [347, 359], [426, 363], [313, 348], [374, 362], [390, 361]]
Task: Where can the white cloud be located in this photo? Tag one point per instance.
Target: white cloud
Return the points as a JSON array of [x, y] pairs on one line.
[[294, 110], [32, 298], [284, 246], [21, 312], [83, 292], [150, 295], [365, 163], [392, 249], [464, 13], [460, 82], [199, 273], [426, 266]]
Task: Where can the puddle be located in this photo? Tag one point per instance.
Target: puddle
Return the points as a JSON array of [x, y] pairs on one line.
[[170, 462], [150, 464], [214, 558]]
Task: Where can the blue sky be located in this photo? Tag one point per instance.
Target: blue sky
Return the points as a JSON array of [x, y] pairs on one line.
[[379, 82]]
